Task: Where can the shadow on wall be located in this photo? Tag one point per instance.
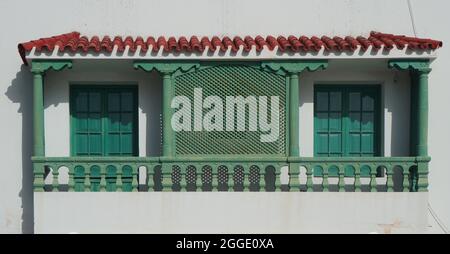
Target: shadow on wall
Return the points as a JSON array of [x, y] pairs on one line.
[[151, 105], [399, 107], [21, 91]]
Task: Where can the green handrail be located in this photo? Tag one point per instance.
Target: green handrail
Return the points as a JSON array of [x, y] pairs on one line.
[[228, 173]]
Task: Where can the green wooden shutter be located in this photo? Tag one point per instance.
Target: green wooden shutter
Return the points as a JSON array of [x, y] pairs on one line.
[[87, 124], [328, 122], [362, 121], [346, 121], [104, 120], [120, 125]]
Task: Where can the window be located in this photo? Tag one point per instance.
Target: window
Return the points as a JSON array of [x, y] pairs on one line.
[[103, 120], [346, 121]]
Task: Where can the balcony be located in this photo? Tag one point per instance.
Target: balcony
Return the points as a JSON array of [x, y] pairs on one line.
[[174, 179], [231, 174]]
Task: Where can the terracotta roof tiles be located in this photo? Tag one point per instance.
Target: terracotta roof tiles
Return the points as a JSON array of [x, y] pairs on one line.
[[74, 42]]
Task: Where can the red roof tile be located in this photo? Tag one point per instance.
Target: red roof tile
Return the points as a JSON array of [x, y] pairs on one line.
[[73, 42]]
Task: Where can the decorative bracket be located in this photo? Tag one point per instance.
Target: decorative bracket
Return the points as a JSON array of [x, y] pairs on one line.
[[416, 65], [43, 66], [172, 68], [294, 67]]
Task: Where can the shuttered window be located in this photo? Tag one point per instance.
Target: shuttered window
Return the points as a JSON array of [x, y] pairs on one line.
[[103, 120], [346, 121]]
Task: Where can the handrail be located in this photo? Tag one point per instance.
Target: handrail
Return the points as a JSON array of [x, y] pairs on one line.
[[231, 173]]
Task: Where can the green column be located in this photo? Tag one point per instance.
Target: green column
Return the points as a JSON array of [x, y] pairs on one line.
[[422, 127], [38, 113], [293, 115], [419, 118], [422, 112], [419, 70], [168, 133], [38, 68], [412, 114]]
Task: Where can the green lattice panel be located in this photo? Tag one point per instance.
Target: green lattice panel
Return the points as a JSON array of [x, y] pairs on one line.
[[232, 80]]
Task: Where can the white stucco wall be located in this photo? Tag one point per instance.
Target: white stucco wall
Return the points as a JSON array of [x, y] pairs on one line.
[[430, 17], [210, 212], [22, 21]]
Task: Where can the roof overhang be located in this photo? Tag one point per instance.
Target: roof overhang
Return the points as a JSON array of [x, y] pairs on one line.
[[377, 46], [264, 54]]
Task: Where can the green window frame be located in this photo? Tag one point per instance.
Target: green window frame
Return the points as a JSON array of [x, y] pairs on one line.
[[104, 120], [347, 120]]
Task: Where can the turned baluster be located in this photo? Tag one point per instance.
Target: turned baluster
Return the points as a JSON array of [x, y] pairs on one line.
[[278, 178], [309, 180], [262, 179], [373, 178], [390, 178], [246, 181], [166, 175], [406, 177], [55, 182], [294, 177], [215, 177], [358, 178], [119, 183], [150, 174], [325, 183]]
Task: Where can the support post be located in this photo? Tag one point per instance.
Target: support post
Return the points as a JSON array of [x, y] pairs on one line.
[[38, 113], [294, 168], [422, 128], [293, 115], [168, 133], [422, 112], [419, 70], [38, 68]]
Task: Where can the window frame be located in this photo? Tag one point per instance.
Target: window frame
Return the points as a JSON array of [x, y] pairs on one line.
[[345, 89], [132, 87]]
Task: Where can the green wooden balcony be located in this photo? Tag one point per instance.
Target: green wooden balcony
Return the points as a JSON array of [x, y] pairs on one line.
[[280, 170], [265, 174]]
